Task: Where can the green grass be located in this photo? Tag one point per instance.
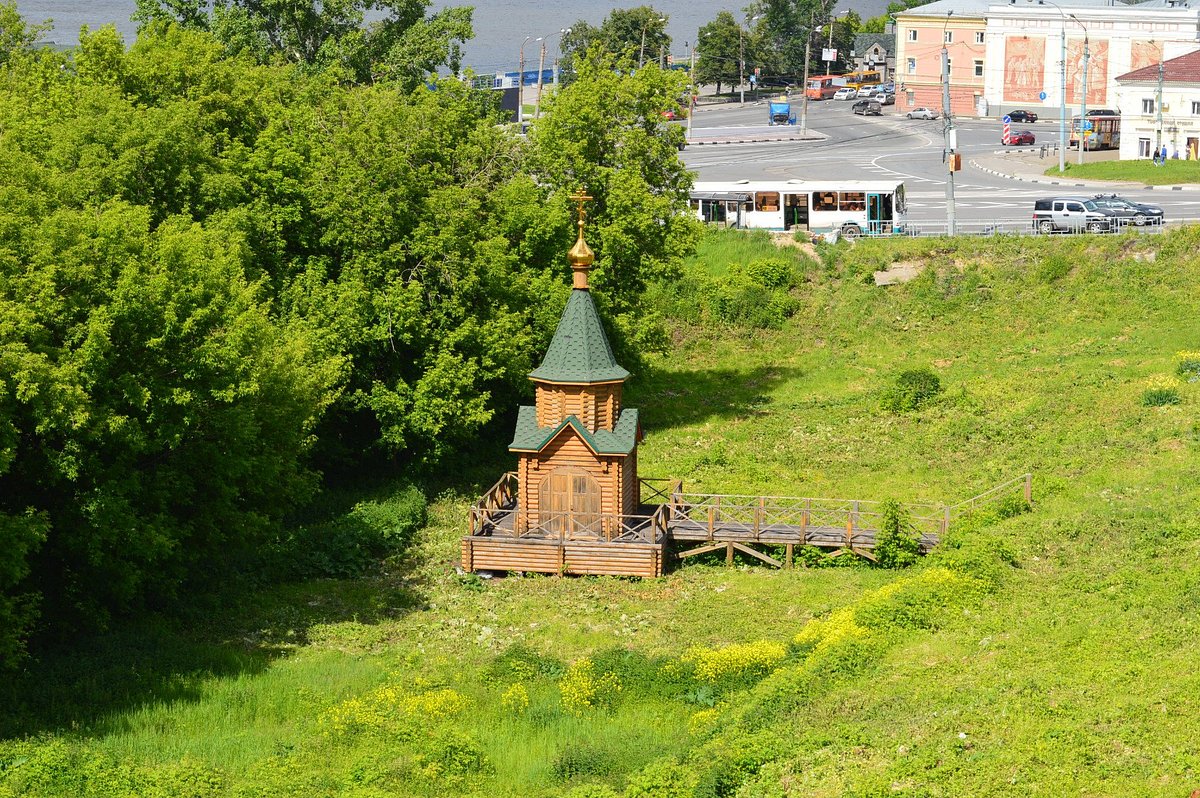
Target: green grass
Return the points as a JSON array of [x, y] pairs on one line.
[[1140, 171], [1047, 654]]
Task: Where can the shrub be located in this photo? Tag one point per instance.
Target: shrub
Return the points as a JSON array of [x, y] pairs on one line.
[[896, 543], [520, 662], [1160, 391], [581, 760], [767, 272], [515, 699], [1187, 365], [739, 662], [351, 544], [1053, 267], [910, 390], [662, 779], [583, 689]]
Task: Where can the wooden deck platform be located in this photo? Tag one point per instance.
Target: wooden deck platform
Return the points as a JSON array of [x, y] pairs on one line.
[[502, 538]]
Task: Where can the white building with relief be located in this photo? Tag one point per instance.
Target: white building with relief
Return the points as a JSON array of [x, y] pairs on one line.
[[1024, 65]]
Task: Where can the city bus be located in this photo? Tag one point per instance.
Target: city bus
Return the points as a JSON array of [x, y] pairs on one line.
[[850, 207], [1104, 135], [823, 87], [867, 77]]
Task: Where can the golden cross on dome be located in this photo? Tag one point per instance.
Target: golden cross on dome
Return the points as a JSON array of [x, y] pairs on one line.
[[579, 198]]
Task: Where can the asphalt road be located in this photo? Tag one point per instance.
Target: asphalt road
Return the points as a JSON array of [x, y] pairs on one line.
[[853, 147]]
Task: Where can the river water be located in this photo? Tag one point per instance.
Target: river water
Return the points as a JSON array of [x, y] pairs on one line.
[[500, 25]]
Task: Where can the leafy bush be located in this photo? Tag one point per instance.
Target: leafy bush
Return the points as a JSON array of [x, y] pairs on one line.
[[1159, 392], [911, 389], [578, 759], [584, 688], [662, 779], [897, 545], [352, 544], [519, 662], [735, 664], [1187, 366], [1053, 267]]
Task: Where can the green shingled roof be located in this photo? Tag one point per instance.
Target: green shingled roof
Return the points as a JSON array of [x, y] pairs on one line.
[[579, 352], [529, 437]]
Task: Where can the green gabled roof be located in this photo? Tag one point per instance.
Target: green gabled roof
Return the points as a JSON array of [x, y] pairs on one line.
[[579, 352], [529, 437]]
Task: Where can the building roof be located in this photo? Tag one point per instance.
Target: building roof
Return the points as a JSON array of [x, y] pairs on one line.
[[940, 8], [529, 437], [579, 351], [864, 42], [1184, 69]]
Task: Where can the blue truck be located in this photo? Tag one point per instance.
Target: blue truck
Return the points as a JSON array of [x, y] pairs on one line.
[[779, 112]]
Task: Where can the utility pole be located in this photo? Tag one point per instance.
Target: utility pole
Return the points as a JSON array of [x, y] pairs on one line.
[[741, 67], [1083, 120], [951, 143], [1158, 106], [804, 102], [521, 85], [537, 102], [691, 93], [1062, 110]]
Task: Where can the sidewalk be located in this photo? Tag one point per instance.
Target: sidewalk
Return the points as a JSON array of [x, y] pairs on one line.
[[1026, 165]]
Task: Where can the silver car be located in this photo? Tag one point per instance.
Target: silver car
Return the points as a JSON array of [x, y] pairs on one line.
[[922, 113]]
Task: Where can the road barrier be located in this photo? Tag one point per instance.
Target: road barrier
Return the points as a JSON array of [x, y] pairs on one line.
[[1018, 227]]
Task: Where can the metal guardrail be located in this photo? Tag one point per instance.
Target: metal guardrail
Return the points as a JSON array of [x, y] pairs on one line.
[[1018, 227]]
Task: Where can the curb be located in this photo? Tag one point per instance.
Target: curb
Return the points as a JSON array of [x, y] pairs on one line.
[[755, 141], [1090, 184]]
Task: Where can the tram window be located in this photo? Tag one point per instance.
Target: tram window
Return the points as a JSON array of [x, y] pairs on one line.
[[825, 201], [853, 201], [766, 201]]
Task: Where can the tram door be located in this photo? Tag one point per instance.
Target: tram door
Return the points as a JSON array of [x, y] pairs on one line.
[[795, 211], [879, 214]]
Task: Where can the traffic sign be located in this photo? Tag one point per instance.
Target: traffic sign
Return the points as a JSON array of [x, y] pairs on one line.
[[1087, 124], [1007, 119], [1042, 96]]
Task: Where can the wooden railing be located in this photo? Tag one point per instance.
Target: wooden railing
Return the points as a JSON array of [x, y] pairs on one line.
[[609, 528], [754, 517], [1025, 482], [499, 499]]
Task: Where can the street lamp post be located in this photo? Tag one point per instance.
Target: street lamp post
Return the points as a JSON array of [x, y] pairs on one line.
[[521, 83], [1062, 80], [742, 62], [642, 51], [1083, 120], [951, 143], [537, 103], [829, 46]]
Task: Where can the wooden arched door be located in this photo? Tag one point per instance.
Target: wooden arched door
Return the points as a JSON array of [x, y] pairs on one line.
[[569, 499]]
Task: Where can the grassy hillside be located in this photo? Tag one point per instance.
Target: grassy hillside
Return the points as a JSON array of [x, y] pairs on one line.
[[1050, 653]]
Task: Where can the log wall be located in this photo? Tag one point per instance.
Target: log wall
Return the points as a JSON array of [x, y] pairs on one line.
[[571, 557]]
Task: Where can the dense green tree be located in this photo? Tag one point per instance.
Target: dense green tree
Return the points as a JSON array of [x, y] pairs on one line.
[[717, 52], [784, 26], [403, 43], [631, 36], [606, 133]]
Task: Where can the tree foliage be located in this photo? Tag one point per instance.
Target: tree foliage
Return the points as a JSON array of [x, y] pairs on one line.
[[631, 37], [221, 274], [402, 44]]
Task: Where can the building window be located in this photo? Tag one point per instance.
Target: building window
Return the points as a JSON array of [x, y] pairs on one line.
[[912, 35], [948, 36], [1195, 107], [949, 65], [1147, 105], [1143, 148], [978, 68], [910, 97], [979, 37], [912, 66]]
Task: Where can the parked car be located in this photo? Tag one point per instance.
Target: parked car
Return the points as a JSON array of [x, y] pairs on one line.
[[1019, 137], [922, 113], [845, 93], [1025, 117], [890, 88], [886, 98], [1056, 214], [1103, 112], [1138, 213], [867, 108], [669, 116]]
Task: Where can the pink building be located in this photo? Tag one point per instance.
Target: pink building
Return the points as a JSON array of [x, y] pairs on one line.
[[921, 33]]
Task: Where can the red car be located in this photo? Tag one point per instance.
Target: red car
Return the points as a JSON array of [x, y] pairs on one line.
[[1018, 137]]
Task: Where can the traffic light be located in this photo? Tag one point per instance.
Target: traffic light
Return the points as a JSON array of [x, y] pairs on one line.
[[670, 60]]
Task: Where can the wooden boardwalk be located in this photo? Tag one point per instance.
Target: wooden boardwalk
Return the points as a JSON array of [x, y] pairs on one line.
[[503, 538]]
